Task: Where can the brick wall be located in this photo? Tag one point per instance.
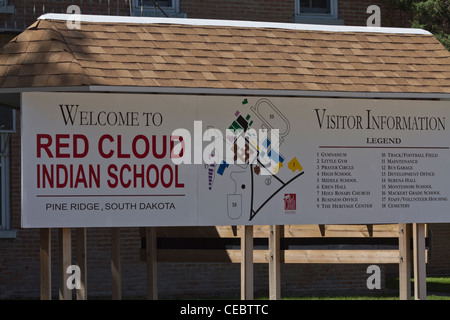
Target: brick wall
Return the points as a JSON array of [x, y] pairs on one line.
[[6, 37], [353, 12], [181, 280], [439, 258], [28, 11], [259, 10], [19, 258], [439, 254]]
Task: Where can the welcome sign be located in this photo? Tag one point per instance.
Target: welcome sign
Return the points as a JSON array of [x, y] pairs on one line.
[[103, 160]]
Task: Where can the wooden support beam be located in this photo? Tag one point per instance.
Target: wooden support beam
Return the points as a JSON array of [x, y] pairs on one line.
[[290, 231], [274, 263], [287, 256], [247, 263], [340, 256], [46, 264], [65, 260], [115, 264], [420, 284], [152, 263], [404, 247], [82, 262], [341, 231]]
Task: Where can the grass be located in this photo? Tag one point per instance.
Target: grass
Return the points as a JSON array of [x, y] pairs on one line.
[[438, 284], [381, 297], [345, 298], [438, 288], [434, 284]]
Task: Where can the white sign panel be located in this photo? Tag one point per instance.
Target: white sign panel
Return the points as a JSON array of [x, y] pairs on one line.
[[102, 160]]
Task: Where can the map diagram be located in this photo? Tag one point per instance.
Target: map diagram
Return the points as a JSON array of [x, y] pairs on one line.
[[256, 182]]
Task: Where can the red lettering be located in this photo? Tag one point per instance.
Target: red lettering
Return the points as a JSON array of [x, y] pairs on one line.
[[100, 146], [163, 182], [59, 145], [138, 175], [80, 146], [122, 182], [38, 175], [141, 176], [149, 182], [164, 151], [172, 145], [94, 176], [177, 184], [83, 138], [47, 176], [41, 145], [119, 149], [146, 149], [111, 168], [61, 183]]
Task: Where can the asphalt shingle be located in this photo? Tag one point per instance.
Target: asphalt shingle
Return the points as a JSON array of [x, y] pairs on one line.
[[230, 57]]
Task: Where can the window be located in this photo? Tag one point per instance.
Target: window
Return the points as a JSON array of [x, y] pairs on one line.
[[315, 6], [156, 8], [150, 3], [317, 12], [7, 126], [4, 181], [5, 7]]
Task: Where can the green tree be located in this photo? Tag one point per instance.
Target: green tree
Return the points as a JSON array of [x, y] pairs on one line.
[[431, 15]]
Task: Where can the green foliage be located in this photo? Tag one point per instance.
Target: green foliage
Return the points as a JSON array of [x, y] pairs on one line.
[[431, 15], [404, 5]]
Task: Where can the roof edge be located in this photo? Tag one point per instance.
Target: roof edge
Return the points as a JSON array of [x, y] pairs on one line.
[[227, 23], [234, 92]]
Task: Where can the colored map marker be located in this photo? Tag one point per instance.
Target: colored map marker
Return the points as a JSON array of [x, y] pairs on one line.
[[294, 165]]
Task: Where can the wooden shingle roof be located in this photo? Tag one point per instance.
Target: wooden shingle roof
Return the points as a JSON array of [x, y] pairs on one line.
[[183, 55]]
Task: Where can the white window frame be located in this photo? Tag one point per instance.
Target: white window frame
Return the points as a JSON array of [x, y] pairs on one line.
[[152, 11], [318, 18]]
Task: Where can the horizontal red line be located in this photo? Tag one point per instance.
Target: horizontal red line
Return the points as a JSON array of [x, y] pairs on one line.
[[106, 195], [379, 147]]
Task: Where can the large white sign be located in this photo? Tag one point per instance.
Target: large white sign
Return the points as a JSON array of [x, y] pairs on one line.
[[103, 160]]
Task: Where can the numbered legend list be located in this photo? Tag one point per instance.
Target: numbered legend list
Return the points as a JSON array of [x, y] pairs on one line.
[[352, 178]]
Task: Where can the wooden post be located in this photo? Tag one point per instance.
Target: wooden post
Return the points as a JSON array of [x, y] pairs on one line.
[[115, 265], [274, 263], [82, 263], [151, 257], [247, 263], [420, 283], [46, 264], [404, 247], [65, 260]]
